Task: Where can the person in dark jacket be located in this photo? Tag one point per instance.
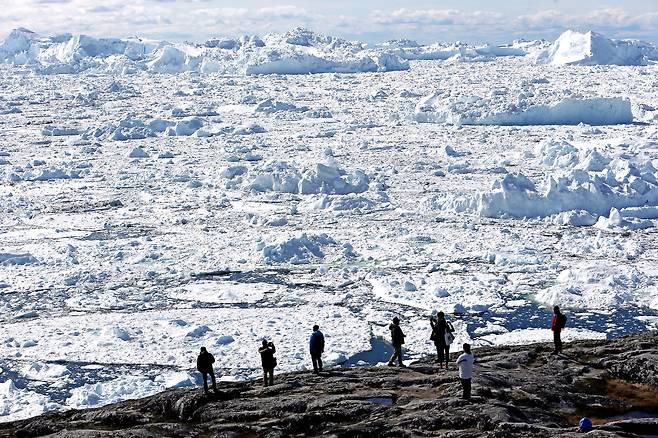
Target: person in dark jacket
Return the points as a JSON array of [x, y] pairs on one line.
[[441, 329], [397, 339], [204, 364], [316, 345], [558, 322], [268, 360]]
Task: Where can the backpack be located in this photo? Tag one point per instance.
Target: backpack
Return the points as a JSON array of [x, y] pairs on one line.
[[562, 321]]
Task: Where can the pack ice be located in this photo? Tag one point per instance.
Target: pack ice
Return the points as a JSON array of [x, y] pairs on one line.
[[158, 197]]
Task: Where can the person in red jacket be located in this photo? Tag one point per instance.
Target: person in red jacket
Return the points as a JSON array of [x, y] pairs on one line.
[[557, 324]]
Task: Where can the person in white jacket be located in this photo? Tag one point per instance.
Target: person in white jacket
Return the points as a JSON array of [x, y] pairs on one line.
[[465, 363]]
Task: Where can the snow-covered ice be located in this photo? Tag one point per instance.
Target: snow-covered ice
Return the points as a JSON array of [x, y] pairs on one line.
[[158, 197], [592, 48]]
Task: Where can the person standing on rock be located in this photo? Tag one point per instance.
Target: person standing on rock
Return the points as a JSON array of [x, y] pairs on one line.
[[557, 324], [397, 339], [442, 335], [465, 363], [204, 364], [316, 345], [268, 360]]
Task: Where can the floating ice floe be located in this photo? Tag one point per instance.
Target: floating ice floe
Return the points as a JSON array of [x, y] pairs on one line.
[[222, 292], [475, 110], [17, 404], [296, 250], [449, 293], [536, 335], [8, 259], [589, 185], [127, 129], [350, 203], [279, 176], [125, 388], [138, 152], [597, 285], [270, 106], [172, 334], [57, 131], [591, 48]]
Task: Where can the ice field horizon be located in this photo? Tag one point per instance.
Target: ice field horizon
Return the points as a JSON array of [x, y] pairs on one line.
[[158, 197]]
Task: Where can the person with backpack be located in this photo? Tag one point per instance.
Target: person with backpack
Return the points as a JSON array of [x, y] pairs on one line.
[[204, 365], [465, 363], [442, 335], [557, 324], [268, 361], [316, 345], [397, 339]]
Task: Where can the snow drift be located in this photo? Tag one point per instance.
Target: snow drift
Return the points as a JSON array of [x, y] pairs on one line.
[[591, 48]]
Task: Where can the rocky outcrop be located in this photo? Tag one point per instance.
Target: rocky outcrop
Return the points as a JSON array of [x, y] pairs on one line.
[[519, 391]]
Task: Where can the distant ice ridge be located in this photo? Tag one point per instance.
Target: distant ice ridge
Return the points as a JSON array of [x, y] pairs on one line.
[[411, 50], [591, 48], [587, 185], [475, 110], [296, 52]]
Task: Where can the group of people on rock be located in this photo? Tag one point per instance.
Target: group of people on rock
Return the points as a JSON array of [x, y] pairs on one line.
[[442, 335]]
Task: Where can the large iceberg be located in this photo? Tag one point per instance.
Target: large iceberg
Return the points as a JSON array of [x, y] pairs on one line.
[[591, 48]]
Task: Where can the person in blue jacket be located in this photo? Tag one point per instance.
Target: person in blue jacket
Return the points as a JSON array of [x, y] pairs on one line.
[[316, 345]]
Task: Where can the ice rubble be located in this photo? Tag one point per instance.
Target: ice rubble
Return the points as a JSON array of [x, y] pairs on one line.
[[599, 285], [349, 204], [411, 50], [124, 388], [298, 250], [296, 52], [91, 337], [17, 404], [585, 183], [475, 110], [536, 335], [591, 48], [279, 176]]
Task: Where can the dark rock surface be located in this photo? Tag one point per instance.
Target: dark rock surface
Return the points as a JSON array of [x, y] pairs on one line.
[[520, 391]]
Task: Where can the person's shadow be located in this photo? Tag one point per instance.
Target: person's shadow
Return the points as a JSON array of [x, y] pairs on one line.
[[380, 351]]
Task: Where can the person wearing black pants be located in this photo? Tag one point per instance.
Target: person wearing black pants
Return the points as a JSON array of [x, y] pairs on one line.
[[440, 327], [557, 324], [465, 364], [204, 365], [316, 346]]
